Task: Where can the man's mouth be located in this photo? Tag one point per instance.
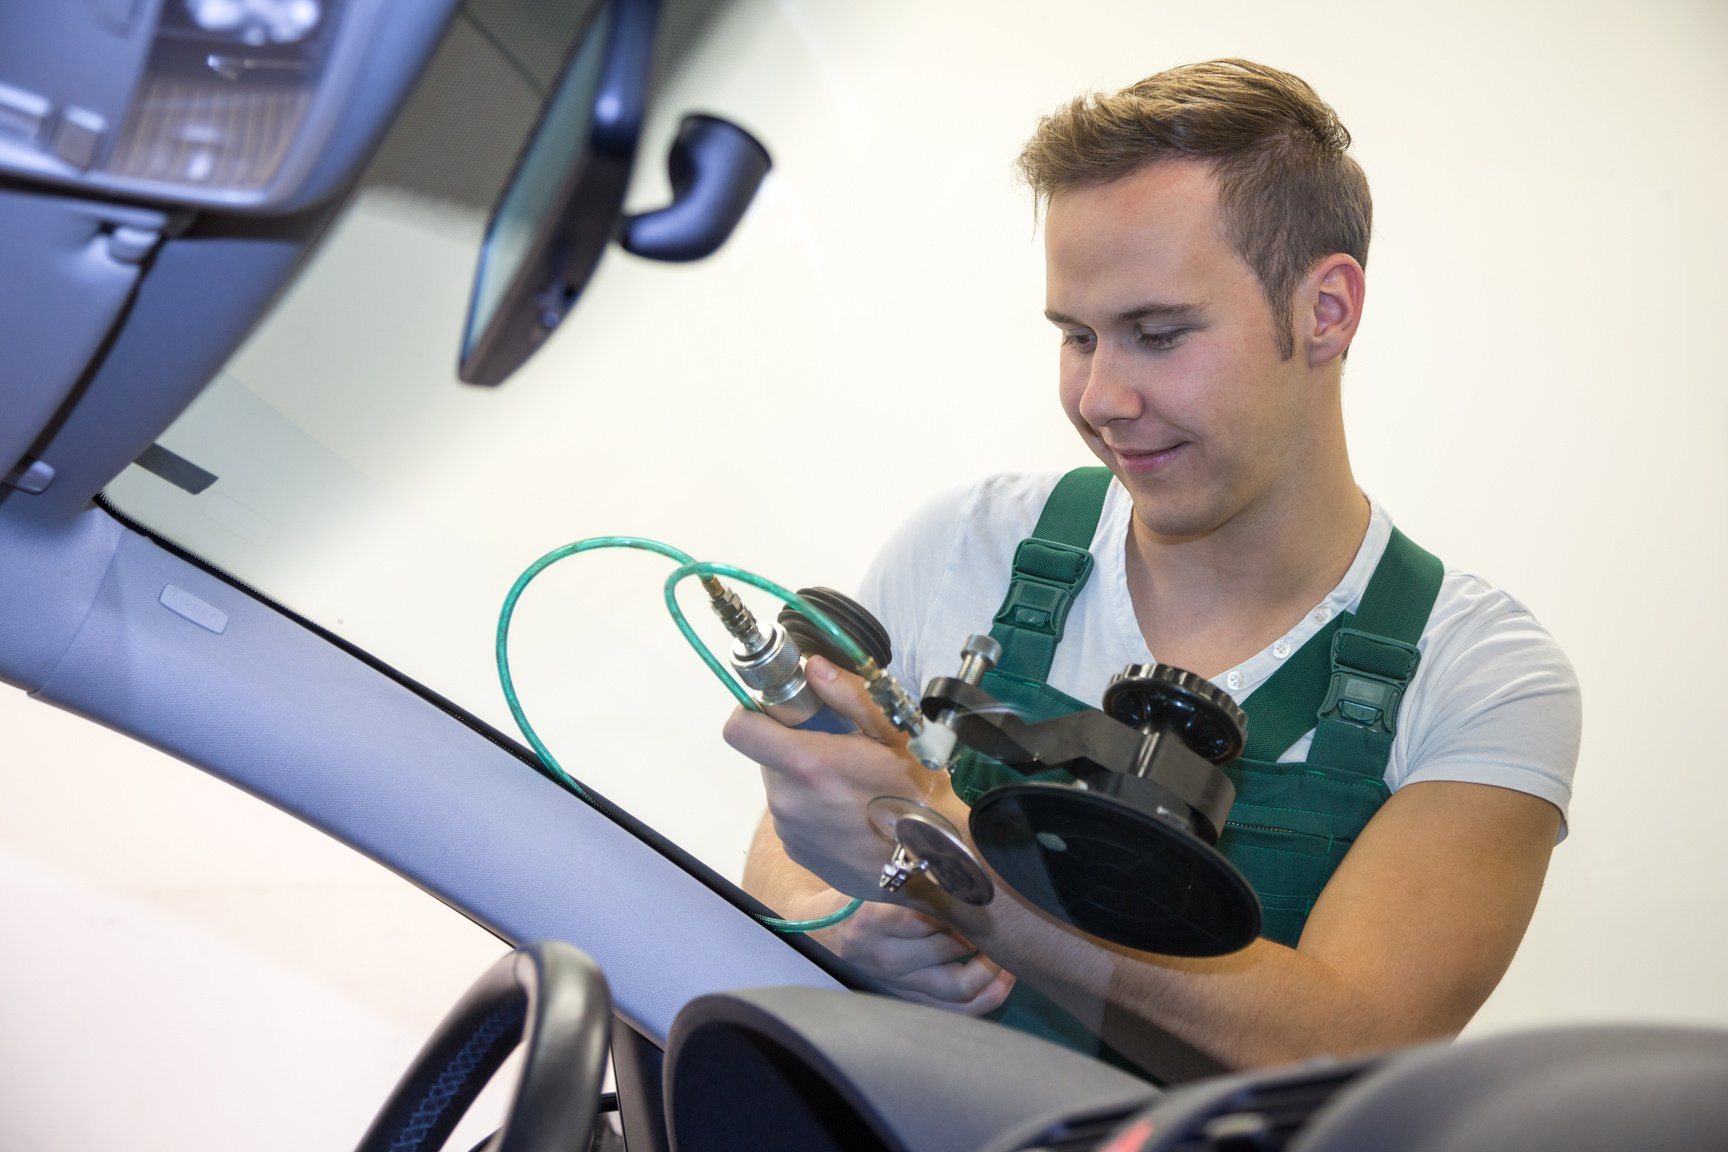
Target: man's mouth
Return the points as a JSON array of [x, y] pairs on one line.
[[1149, 459]]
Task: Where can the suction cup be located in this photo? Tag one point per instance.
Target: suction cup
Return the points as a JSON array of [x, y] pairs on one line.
[[935, 847], [1118, 859], [853, 618]]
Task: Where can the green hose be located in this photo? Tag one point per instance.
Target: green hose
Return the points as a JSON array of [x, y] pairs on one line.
[[687, 567]]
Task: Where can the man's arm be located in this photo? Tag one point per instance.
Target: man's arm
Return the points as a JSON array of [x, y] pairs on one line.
[[1409, 937]]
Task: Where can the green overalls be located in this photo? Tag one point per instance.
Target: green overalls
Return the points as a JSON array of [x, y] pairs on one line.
[[1291, 824]]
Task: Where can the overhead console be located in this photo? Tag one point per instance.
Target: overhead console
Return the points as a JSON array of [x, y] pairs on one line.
[[207, 141], [262, 106], [127, 123]]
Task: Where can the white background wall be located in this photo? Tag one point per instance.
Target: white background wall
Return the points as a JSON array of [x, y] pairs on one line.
[[1536, 394]]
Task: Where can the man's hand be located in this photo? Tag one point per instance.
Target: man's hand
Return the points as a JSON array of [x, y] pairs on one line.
[[917, 958], [817, 844], [910, 954], [819, 785]]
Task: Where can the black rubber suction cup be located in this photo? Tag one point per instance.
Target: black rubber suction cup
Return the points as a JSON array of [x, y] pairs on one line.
[[1126, 851], [853, 618], [1118, 861]]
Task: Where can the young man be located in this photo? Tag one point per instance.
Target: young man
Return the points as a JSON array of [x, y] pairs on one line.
[[1205, 239]]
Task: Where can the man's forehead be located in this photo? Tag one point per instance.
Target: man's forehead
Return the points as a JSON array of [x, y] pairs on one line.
[[1165, 214], [1146, 241], [1183, 180]]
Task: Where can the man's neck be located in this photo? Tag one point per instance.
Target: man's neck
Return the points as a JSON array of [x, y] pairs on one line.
[[1208, 603]]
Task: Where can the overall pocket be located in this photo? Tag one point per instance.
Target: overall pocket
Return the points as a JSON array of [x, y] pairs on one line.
[[1289, 829]]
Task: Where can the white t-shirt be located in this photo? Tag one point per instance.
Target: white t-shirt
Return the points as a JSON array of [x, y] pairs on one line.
[[1494, 700]]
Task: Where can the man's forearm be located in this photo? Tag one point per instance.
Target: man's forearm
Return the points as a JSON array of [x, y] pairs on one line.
[[1405, 944], [1267, 1004]]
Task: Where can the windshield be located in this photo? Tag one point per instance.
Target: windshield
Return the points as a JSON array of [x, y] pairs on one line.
[[872, 335], [357, 483]]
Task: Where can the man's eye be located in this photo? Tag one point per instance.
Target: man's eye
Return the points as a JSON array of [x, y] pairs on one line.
[[1080, 340], [1161, 341]]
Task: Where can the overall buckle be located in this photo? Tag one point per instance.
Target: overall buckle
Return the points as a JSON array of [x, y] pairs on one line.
[[1369, 676], [1042, 590]]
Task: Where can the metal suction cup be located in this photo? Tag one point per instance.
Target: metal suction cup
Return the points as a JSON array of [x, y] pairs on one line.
[[924, 841], [1117, 860]]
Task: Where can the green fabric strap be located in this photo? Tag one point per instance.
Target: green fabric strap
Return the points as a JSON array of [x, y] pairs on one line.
[[1371, 656], [1070, 515], [1050, 568], [1283, 708], [1401, 593]]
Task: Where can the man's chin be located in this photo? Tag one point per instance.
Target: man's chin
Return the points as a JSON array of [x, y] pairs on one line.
[[1172, 521]]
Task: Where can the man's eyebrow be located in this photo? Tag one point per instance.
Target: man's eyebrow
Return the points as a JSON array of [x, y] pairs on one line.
[[1165, 313]]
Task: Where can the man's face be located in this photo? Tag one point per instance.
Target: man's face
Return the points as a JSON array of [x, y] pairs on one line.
[[1170, 366]]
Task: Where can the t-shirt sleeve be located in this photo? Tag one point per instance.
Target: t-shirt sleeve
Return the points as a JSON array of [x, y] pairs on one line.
[[1503, 708]]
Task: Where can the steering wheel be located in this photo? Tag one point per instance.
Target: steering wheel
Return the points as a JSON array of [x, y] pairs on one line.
[[550, 997]]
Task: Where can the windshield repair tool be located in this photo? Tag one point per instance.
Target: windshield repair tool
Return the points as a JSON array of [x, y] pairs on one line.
[[821, 622], [687, 567], [925, 843], [1124, 847], [770, 660], [924, 840]]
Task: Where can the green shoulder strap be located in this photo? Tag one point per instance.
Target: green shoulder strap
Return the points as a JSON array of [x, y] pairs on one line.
[[1050, 568], [1371, 656]]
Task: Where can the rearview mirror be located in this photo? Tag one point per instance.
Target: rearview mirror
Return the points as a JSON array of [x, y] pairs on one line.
[[564, 201]]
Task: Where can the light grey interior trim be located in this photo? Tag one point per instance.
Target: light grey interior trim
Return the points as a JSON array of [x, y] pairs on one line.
[[67, 277], [298, 722], [200, 299], [50, 570]]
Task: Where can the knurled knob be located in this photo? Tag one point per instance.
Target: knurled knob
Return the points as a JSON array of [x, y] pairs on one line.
[[1162, 698]]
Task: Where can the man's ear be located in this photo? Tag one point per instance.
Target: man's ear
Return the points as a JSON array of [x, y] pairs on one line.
[[1331, 308]]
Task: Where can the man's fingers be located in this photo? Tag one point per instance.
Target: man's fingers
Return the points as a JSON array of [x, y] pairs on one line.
[[846, 694], [919, 958], [894, 942], [803, 755], [991, 996], [756, 735], [975, 986]]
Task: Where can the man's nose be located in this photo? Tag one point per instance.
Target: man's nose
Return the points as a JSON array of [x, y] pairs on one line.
[[1110, 393]]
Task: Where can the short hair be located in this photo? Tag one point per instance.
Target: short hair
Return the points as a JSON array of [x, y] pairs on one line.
[[1288, 193]]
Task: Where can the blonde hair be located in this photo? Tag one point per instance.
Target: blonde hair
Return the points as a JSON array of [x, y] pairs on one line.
[[1288, 194]]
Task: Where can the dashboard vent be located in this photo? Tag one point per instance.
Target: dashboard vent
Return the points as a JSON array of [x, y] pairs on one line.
[[1258, 1117], [1078, 1134]]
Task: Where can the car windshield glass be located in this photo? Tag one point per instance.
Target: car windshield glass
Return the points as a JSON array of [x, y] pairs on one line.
[[752, 408], [874, 337]]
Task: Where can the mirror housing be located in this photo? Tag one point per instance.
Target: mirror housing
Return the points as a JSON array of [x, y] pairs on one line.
[[715, 167]]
